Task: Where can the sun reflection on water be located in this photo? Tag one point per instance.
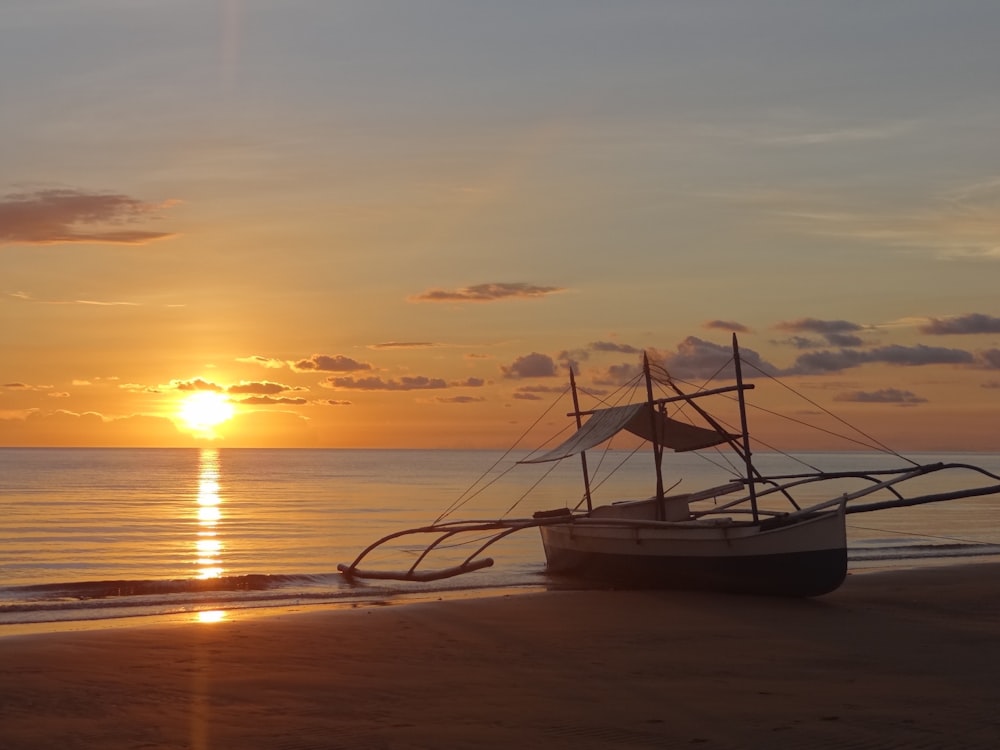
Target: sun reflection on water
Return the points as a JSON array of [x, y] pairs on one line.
[[211, 615], [208, 548]]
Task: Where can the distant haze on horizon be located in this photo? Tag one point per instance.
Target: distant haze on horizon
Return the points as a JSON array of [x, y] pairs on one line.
[[395, 223]]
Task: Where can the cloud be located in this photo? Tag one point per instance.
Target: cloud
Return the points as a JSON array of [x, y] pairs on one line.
[[960, 225], [256, 359], [94, 303], [490, 292], [268, 400], [459, 399], [532, 365], [844, 339], [195, 385], [816, 363], [836, 332], [842, 135], [697, 359], [812, 325], [616, 375], [970, 323], [725, 325], [611, 346], [374, 383], [468, 383], [263, 387], [60, 215], [327, 363], [883, 396], [335, 402], [405, 345], [989, 359], [139, 388], [801, 342], [541, 389]]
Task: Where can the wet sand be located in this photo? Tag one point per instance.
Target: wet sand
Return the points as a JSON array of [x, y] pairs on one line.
[[907, 659]]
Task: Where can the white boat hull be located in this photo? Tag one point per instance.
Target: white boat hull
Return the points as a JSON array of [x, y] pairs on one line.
[[805, 557]]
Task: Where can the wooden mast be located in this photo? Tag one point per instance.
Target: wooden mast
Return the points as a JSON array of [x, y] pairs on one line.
[[655, 432], [583, 454], [746, 432]]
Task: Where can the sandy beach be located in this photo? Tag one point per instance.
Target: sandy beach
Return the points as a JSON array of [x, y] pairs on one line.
[[904, 659]]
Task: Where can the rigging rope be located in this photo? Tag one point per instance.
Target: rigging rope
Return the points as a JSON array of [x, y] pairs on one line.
[[925, 536], [465, 496], [878, 444]]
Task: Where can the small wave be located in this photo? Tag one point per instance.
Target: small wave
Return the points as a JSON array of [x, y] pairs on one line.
[[87, 590], [113, 599]]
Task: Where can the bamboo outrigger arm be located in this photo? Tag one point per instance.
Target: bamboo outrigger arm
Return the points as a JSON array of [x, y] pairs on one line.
[[411, 575], [445, 531]]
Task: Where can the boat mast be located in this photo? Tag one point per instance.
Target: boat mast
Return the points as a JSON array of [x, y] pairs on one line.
[[746, 432], [583, 454], [657, 448]]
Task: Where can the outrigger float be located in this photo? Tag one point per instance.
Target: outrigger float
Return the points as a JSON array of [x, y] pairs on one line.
[[692, 540]]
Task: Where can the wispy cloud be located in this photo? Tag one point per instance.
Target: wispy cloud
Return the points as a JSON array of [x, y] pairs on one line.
[[16, 386], [837, 135], [947, 233], [268, 362], [197, 384], [405, 345], [725, 325], [97, 303], [374, 383], [883, 396], [330, 363], [270, 400], [959, 223], [989, 359], [835, 332], [62, 215], [816, 363], [612, 346], [262, 387], [959, 324], [490, 292], [818, 326]]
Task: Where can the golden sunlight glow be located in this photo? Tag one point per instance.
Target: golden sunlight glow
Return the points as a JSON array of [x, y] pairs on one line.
[[211, 615], [204, 410], [209, 516]]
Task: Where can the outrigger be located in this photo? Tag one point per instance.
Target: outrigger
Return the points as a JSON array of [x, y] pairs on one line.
[[689, 540]]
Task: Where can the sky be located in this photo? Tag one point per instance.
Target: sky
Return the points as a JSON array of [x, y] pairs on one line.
[[380, 223]]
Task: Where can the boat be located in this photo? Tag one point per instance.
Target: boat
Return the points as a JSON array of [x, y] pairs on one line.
[[750, 535]]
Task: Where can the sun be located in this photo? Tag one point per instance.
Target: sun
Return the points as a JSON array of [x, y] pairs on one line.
[[204, 410]]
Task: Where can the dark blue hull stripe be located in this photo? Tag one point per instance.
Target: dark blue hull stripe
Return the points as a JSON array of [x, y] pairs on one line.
[[809, 573]]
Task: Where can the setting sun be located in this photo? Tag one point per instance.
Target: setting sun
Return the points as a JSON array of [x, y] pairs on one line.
[[204, 410]]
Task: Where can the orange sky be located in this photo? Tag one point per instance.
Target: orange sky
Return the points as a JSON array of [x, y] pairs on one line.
[[393, 225]]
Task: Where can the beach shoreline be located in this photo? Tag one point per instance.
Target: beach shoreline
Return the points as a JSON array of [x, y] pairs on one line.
[[892, 659]]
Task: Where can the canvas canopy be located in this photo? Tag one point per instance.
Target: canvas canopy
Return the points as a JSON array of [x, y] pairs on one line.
[[639, 419]]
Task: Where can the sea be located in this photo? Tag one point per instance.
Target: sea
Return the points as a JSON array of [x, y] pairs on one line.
[[105, 535]]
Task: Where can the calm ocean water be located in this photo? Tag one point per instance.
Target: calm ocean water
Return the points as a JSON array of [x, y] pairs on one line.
[[105, 533]]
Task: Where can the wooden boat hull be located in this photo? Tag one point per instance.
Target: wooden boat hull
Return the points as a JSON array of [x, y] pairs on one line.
[[805, 558]]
